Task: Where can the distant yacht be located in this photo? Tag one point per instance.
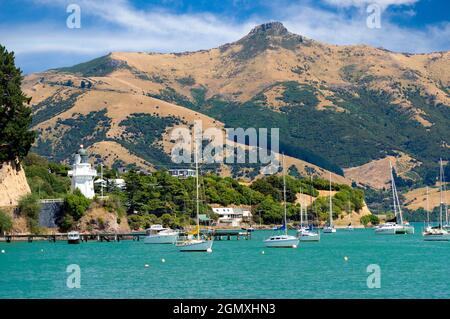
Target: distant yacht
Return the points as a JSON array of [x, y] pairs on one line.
[[438, 233], [330, 227], [305, 234], [157, 234], [197, 243], [284, 240], [443, 190], [394, 228]]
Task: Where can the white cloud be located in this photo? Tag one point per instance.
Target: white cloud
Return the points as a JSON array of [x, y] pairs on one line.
[[361, 3], [331, 27]]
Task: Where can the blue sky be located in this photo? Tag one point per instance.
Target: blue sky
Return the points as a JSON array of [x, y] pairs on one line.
[[36, 29]]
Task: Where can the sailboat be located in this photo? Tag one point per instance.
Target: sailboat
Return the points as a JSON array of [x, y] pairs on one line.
[[443, 190], [330, 227], [305, 234], [283, 240], [438, 233], [394, 228], [198, 243]]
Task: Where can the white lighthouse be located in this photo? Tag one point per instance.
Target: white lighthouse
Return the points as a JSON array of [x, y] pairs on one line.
[[82, 174]]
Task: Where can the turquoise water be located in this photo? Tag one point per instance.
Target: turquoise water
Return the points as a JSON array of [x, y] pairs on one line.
[[410, 268]]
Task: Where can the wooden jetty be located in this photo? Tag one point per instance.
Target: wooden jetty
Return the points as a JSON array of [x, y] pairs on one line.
[[107, 237], [217, 234], [228, 234]]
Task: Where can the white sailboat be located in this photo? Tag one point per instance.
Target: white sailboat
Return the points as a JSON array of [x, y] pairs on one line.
[[428, 225], [392, 228], [438, 233], [330, 227], [305, 234], [443, 190], [283, 240], [196, 244]]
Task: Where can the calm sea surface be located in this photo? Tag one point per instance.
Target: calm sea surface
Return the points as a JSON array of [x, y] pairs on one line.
[[410, 268]]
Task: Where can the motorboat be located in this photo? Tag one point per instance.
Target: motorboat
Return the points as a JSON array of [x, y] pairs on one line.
[[73, 237], [157, 234]]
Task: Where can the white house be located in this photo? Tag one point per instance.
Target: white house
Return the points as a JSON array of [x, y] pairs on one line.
[[182, 172], [82, 174], [232, 215], [118, 182]]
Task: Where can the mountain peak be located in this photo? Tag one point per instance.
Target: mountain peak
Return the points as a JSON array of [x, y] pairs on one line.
[[271, 28]]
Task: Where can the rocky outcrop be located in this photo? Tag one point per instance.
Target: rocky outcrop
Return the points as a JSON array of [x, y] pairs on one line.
[[13, 184], [98, 219]]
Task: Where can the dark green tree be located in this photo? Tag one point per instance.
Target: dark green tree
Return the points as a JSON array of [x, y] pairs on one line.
[[15, 114]]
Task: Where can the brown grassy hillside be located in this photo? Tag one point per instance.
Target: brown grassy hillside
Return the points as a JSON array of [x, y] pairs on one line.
[[90, 102]]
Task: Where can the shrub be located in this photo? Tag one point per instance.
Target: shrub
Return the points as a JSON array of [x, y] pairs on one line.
[[6, 223], [372, 219], [76, 204], [66, 223], [114, 204], [29, 207]]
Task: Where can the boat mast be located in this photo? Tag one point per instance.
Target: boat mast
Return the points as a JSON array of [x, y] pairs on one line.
[[441, 178], [397, 208], [443, 192], [311, 204], [196, 190], [305, 211], [301, 208], [331, 206], [393, 191], [284, 196], [428, 210]]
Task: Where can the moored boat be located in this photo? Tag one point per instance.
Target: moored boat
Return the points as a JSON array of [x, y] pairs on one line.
[[329, 229], [157, 234], [283, 240], [196, 244], [438, 233], [73, 237], [394, 228], [306, 234]]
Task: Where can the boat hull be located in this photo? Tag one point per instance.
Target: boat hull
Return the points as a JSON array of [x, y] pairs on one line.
[[436, 237], [291, 242], [161, 239], [73, 241], [431, 234], [307, 236], [196, 246], [395, 230], [328, 230]]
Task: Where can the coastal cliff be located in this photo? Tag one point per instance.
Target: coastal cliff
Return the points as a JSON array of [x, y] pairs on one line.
[[13, 184]]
